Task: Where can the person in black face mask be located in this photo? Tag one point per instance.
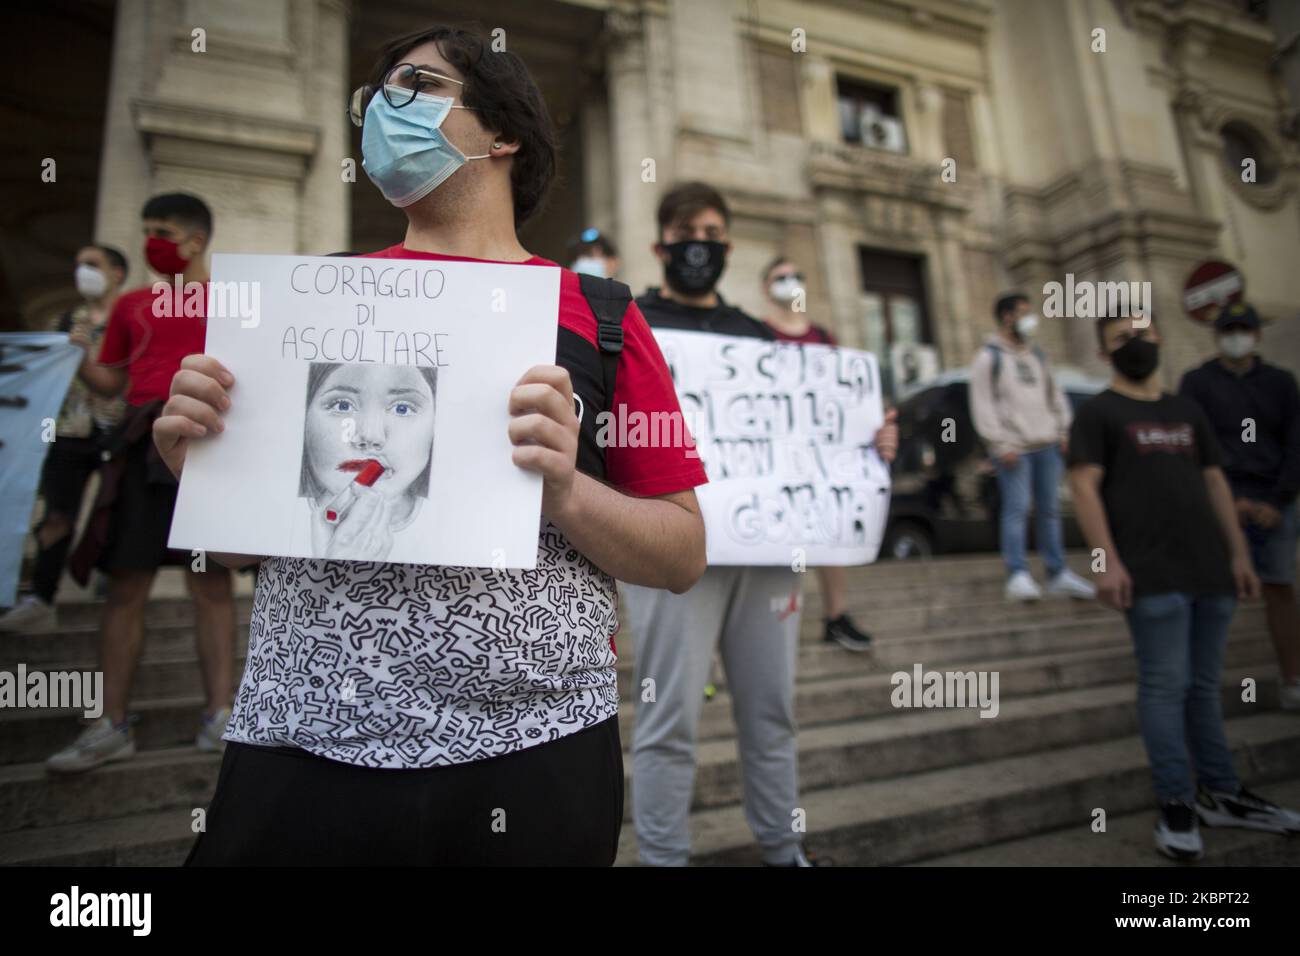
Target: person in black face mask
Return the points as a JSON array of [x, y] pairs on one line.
[[693, 247], [1153, 503], [749, 614]]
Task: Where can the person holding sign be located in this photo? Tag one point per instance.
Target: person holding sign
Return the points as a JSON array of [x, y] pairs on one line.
[[751, 613], [786, 315], [424, 714]]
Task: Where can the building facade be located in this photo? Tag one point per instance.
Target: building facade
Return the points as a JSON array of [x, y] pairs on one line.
[[916, 157]]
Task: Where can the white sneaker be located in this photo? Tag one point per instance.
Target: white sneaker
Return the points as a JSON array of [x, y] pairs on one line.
[[1177, 835], [1021, 586], [209, 738], [1068, 584], [99, 743], [1288, 696], [28, 615], [1246, 810]]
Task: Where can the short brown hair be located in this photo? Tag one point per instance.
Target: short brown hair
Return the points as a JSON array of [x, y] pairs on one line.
[[1108, 318], [499, 86], [778, 261], [685, 200]]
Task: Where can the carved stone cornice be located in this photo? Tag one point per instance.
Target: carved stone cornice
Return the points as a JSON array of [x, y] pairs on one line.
[[875, 173], [186, 135]]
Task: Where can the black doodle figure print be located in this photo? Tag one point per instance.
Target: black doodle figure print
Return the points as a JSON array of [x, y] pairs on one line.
[[406, 666]]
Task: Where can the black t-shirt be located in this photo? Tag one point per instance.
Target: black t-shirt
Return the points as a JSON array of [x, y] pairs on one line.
[[1154, 489], [722, 319]]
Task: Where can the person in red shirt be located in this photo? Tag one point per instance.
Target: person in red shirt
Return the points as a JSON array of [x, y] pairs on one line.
[[150, 331], [483, 728], [785, 313]]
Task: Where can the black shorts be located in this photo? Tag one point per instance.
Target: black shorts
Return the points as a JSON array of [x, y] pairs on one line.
[[555, 804], [68, 466], [142, 515]]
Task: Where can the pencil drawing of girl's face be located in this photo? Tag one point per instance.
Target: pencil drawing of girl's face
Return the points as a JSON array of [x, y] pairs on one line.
[[356, 413]]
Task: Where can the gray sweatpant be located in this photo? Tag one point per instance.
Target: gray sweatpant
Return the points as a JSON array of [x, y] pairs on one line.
[[752, 614]]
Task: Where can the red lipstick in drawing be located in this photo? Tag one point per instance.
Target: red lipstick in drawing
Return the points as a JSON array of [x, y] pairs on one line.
[[368, 471]]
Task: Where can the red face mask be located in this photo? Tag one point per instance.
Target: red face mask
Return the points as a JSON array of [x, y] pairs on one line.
[[162, 256]]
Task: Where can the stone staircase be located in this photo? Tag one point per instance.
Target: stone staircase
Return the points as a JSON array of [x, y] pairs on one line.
[[879, 785]]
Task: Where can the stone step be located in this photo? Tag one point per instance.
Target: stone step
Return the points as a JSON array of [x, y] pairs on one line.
[[943, 811], [172, 720], [78, 647], [167, 693], [954, 645], [154, 838], [1128, 841], [152, 780], [883, 582], [902, 741], [839, 699], [914, 741]]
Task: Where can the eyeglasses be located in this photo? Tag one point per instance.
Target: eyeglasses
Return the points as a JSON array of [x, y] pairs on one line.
[[400, 87]]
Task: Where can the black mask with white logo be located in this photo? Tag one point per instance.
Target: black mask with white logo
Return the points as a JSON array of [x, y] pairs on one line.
[[694, 266], [1136, 359]]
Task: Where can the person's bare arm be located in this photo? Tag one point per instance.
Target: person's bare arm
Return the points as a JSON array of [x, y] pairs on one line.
[[1114, 586], [655, 542], [1225, 512], [100, 379], [198, 397]]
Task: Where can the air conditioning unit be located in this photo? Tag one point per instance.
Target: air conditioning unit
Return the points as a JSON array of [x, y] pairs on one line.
[[880, 131]]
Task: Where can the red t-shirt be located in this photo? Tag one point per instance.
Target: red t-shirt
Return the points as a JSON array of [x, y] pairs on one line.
[[151, 346], [815, 335], [642, 385]]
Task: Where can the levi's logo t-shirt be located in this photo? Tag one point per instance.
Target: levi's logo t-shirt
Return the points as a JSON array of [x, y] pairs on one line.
[[1154, 455]]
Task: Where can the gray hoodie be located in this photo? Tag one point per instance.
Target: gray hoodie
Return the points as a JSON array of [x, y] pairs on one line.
[[1024, 409]]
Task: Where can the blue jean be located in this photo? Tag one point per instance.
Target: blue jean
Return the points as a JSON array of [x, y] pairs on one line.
[[1179, 639], [1042, 470]]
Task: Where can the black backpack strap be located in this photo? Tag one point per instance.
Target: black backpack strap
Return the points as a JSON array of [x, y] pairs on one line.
[[996, 372], [1047, 376], [608, 299]]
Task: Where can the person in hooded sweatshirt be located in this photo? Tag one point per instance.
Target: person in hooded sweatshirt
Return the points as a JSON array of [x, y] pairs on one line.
[[1022, 414]]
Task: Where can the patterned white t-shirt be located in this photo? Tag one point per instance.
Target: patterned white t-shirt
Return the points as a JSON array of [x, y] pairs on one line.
[[400, 666]]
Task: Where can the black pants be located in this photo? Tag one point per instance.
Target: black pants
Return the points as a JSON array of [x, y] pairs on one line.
[[555, 804], [68, 466]]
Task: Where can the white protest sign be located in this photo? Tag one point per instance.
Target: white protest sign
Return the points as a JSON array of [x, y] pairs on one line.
[[785, 433], [369, 414]]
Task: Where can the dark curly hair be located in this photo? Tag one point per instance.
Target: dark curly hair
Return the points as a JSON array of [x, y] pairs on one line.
[[499, 86]]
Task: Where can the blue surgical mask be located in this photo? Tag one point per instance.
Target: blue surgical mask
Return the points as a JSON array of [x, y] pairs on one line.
[[404, 152]]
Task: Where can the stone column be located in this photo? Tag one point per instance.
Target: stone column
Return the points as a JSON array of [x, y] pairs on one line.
[[631, 128], [241, 103]]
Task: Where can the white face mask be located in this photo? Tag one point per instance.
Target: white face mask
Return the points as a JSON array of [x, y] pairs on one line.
[[91, 282], [591, 265], [1236, 345], [785, 289], [1027, 325]]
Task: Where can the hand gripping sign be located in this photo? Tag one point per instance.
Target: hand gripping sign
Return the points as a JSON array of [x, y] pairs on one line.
[[786, 435]]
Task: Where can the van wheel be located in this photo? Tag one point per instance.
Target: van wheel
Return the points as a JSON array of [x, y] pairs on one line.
[[908, 539]]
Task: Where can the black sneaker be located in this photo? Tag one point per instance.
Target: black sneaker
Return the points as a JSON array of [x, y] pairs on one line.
[[1245, 810], [1177, 835], [841, 631], [802, 858]]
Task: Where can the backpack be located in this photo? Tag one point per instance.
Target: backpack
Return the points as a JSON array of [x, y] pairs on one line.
[[608, 299], [996, 352]]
